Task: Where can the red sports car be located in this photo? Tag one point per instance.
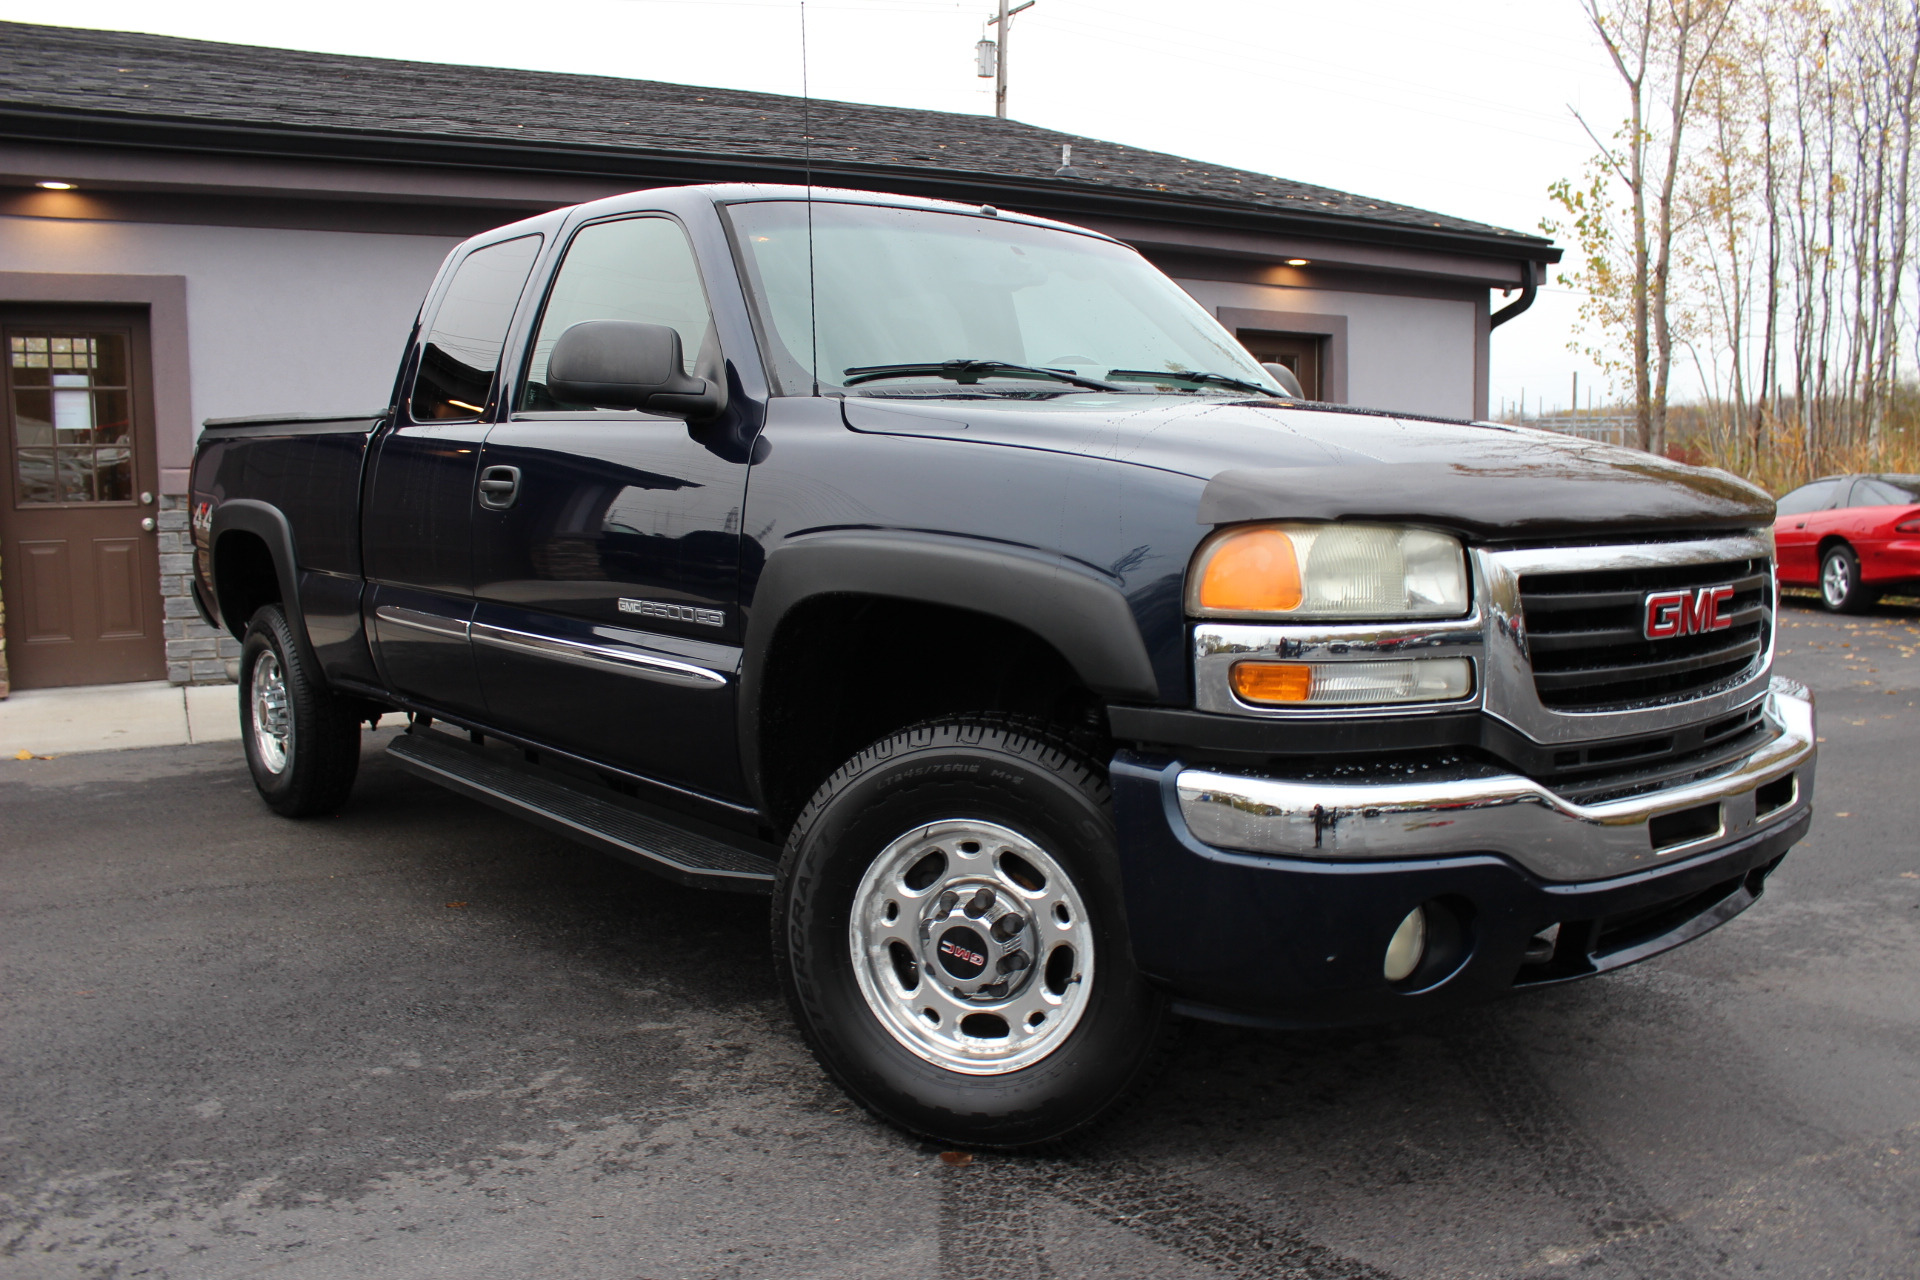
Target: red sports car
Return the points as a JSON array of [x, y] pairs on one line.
[[1854, 537]]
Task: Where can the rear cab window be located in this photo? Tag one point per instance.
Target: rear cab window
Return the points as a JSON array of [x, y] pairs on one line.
[[461, 354]]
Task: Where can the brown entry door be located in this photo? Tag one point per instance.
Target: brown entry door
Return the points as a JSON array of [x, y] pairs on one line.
[[81, 573], [1301, 352]]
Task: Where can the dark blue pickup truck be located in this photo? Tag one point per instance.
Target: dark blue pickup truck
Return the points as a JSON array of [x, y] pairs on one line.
[[953, 577]]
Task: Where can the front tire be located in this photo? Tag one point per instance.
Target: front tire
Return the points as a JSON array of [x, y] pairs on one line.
[[949, 928], [1841, 590], [302, 742]]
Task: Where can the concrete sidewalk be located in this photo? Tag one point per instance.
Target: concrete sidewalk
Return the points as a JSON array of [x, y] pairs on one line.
[[106, 717]]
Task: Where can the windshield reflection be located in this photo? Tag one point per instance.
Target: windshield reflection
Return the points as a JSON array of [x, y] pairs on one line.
[[919, 288]]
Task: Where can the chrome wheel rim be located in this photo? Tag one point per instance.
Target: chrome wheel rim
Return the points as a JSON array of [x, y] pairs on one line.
[[1835, 580], [272, 723], [972, 947]]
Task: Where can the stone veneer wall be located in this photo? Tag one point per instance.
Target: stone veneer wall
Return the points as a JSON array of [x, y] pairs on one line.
[[196, 653]]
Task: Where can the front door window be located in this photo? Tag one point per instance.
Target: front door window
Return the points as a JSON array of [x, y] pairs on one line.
[[73, 418]]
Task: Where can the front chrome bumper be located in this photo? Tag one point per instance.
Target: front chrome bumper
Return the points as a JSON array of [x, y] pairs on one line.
[[1511, 815]]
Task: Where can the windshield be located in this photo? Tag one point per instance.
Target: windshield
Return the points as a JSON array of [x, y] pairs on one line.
[[912, 287]]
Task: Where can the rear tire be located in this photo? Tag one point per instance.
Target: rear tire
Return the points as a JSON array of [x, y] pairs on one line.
[[302, 741], [1841, 590], [988, 848]]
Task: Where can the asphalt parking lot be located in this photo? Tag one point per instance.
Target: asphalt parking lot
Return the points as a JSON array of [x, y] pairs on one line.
[[423, 1040]]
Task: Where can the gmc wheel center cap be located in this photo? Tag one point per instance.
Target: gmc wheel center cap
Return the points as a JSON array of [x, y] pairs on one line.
[[962, 952]]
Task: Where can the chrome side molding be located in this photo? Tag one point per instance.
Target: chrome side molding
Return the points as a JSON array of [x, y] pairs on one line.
[[605, 656], [414, 620]]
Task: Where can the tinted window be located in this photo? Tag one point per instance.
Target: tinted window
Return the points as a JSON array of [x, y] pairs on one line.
[[1817, 496], [1885, 491], [637, 269], [463, 349]]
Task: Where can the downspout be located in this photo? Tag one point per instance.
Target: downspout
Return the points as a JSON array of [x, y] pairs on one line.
[[1528, 292]]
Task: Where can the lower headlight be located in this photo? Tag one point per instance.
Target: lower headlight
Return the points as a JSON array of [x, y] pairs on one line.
[[1349, 683]]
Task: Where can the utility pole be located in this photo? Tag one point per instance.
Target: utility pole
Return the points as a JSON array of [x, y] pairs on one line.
[[1005, 22]]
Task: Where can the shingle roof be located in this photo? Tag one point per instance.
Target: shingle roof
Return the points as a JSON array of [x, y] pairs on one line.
[[130, 75]]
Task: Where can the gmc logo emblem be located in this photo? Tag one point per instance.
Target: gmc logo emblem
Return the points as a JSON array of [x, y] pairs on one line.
[[1686, 613], [961, 953]]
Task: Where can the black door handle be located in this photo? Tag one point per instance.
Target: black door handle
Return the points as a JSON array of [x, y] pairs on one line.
[[499, 486]]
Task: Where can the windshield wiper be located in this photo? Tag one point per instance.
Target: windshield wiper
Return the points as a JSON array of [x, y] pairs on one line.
[[1189, 375], [968, 372]]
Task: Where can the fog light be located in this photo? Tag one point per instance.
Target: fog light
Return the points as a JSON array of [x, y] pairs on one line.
[[1407, 947], [1353, 683]]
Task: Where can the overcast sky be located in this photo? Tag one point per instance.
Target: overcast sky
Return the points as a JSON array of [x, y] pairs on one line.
[[1466, 108]]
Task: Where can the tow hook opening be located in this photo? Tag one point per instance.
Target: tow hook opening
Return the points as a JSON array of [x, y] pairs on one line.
[[1776, 795], [1430, 945], [1685, 826], [1540, 945]]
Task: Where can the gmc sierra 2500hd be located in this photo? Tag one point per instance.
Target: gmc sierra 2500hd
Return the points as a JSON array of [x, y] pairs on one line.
[[952, 576]]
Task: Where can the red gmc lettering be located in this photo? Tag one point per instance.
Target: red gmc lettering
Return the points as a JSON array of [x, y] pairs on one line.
[[960, 952], [1686, 613]]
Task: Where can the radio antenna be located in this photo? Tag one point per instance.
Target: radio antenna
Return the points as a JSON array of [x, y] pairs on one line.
[[806, 144]]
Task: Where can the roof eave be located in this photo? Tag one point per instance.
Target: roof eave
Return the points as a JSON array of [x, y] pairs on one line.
[[1060, 198]]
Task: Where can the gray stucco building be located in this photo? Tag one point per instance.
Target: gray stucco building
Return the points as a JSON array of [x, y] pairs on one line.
[[242, 230]]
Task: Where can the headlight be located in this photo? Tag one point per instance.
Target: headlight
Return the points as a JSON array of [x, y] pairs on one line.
[[1349, 572]]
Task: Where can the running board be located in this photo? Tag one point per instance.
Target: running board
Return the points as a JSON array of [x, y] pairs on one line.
[[572, 809]]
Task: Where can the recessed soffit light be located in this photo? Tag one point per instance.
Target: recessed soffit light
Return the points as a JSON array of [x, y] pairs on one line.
[[52, 185], [1297, 262]]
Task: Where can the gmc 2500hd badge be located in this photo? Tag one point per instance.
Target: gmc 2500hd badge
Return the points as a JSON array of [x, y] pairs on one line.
[[1054, 672]]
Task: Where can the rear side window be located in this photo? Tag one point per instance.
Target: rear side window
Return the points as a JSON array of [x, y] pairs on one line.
[[635, 269], [1817, 496], [1885, 491], [462, 351]]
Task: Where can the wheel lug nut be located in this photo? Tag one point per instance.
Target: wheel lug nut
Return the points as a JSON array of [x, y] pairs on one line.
[[1014, 962], [1007, 926], [947, 900], [980, 903]]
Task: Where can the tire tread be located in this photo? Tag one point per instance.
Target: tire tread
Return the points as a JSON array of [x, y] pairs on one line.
[[326, 756]]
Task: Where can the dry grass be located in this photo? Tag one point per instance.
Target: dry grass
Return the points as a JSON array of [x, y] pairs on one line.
[[1703, 435]]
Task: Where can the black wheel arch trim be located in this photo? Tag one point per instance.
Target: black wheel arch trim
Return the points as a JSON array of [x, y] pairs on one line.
[[1087, 620], [270, 525], [200, 605]]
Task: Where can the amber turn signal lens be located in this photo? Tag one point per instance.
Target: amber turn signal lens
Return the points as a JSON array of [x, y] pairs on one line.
[[1255, 571], [1272, 681]]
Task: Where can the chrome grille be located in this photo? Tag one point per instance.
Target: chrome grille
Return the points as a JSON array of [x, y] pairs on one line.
[[1589, 653]]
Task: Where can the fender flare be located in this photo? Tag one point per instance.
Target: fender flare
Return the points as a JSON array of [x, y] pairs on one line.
[[1082, 614], [269, 524]]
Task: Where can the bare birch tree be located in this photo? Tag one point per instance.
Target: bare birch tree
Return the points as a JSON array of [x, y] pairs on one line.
[[1754, 210], [1660, 49]]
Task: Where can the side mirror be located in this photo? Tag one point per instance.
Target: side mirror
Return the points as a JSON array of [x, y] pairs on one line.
[[1288, 380], [624, 364]]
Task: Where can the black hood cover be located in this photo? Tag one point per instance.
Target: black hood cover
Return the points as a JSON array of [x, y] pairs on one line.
[[1274, 461]]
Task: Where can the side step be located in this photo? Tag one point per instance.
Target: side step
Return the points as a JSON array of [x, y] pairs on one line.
[[573, 809]]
